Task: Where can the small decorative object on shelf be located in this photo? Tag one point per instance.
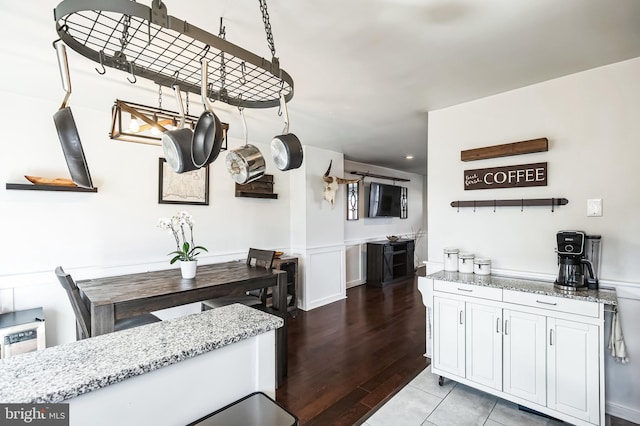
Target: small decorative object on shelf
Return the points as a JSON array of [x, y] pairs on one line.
[[393, 238], [186, 251]]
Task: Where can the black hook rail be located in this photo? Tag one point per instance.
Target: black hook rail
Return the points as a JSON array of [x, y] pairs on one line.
[[149, 43], [517, 202]]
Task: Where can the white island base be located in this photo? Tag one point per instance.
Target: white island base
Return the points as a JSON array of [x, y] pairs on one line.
[[183, 392]]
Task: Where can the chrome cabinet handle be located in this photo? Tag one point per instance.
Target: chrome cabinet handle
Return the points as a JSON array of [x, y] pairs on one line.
[[465, 289], [551, 337], [498, 325], [461, 312], [546, 303], [506, 325]]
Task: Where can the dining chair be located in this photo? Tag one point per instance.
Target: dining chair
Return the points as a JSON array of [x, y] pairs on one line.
[[83, 315], [257, 258]]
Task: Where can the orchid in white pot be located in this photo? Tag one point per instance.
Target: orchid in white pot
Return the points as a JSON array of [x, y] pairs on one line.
[[186, 250]]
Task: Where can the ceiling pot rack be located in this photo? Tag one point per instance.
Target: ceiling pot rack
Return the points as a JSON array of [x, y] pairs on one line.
[[373, 175], [518, 202], [149, 43]]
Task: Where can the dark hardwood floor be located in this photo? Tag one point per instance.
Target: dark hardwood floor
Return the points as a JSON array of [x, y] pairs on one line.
[[348, 357]]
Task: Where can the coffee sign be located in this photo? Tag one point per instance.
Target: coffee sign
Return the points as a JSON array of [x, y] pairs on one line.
[[506, 177]]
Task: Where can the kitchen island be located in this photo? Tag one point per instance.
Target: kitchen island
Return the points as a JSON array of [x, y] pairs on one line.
[[521, 340], [170, 372]]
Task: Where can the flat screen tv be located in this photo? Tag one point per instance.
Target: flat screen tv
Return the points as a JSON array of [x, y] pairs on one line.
[[385, 200]]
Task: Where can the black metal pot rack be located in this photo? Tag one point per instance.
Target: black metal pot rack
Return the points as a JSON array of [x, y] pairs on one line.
[[151, 44]]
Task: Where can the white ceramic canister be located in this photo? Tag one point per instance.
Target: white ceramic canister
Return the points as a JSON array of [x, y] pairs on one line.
[[465, 263], [451, 259], [482, 266]]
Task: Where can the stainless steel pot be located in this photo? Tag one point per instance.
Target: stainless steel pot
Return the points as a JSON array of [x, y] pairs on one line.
[[176, 144], [208, 136], [66, 127], [286, 148], [246, 163]]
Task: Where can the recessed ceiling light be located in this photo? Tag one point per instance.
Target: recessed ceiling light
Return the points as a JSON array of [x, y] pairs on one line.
[[409, 157]]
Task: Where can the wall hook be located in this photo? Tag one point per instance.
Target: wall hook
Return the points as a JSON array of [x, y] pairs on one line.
[[494, 206], [132, 74], [553, 204], [103, 70], [474, 206], [522, 204]]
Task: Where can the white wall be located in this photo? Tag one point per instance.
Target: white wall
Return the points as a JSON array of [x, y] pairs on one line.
[[591, 121], [358, 232]]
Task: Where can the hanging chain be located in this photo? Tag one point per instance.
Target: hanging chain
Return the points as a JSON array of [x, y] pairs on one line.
[[159, 97], [187, 103], [267, 26], [124, 39], [223, 69]]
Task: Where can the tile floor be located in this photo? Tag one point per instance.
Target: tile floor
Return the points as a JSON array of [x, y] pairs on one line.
[[424, 403]]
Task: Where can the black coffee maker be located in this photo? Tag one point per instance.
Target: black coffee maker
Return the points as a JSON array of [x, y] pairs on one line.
[[576, 270]]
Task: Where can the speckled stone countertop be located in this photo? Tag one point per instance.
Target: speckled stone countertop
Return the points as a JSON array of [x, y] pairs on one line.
[[608, 297], [68, 370]]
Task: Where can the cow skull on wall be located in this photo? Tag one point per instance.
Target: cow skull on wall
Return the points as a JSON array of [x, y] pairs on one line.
[[332, 183]]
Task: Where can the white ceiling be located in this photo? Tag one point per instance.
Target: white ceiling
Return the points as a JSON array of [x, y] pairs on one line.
[[366, 72]]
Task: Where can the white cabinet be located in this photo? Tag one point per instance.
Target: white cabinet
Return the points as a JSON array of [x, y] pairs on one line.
[[532, 349], [448, 336], [572, 367], [468, 340], [483, 349], [524, 356]]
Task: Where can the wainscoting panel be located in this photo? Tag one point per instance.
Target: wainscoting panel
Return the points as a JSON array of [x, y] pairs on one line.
[[356, 261], [324, 276]]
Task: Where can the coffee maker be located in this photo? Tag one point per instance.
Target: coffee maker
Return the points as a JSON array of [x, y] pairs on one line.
[[577, 255]]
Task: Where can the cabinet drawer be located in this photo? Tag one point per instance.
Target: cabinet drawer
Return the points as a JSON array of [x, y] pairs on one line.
[[552, 303], [468, 290]]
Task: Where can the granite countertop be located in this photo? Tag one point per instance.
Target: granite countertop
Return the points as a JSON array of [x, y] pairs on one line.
[[68, 370], [606, 296]]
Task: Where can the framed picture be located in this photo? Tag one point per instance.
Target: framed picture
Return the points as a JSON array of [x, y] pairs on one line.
[[183, 188]]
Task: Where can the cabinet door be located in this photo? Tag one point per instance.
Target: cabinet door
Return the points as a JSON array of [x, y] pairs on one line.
[[524, 356], [484, 344], [572, 369], [448, 336], [387, 264]]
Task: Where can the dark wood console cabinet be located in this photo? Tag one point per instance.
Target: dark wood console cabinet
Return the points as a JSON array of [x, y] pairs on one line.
[[389, 261]]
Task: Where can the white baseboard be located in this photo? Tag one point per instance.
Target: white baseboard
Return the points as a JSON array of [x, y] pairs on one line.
[[622, 412]]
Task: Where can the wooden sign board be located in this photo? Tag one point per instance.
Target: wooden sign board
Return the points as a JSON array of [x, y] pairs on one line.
[[522, 175]]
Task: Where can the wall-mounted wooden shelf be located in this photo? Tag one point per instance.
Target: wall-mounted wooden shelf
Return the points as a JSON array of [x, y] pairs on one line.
[[261, 188], [33, 187], [518, 202], [248, 194], [373, 175], [505, 150]]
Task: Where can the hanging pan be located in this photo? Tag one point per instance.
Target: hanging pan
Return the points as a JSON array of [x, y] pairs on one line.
[[66, 127], [207, 138], [286, 148], [246, 163], [176, 144]]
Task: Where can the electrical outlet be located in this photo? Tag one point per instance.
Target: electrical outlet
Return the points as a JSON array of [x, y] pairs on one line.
[[594, 207]]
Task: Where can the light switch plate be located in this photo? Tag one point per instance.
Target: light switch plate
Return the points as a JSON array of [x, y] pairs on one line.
[[594, 207]]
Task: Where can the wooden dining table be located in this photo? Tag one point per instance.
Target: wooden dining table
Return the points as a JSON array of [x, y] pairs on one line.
[[112, 298]]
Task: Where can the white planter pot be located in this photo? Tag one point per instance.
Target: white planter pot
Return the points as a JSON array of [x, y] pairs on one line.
[[188, 269]]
